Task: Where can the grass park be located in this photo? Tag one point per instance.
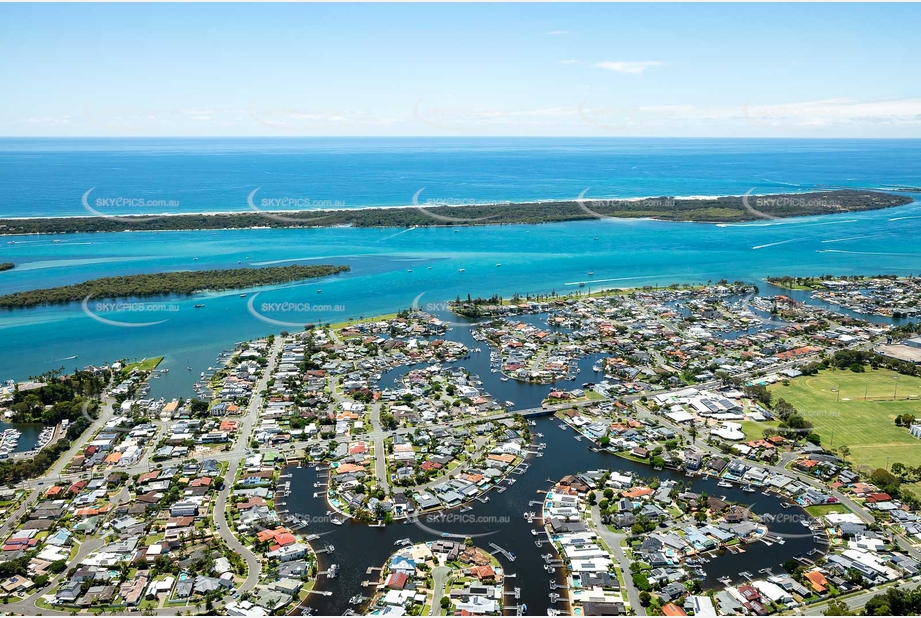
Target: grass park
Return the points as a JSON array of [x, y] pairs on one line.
[[858, 410], [148, 364]]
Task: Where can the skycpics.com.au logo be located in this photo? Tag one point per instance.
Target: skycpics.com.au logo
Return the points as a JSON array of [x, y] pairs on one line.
[[434, 308], [451, 202], [441, 524], [804, 526], [590, 206], [308, 313], [113, 309], [273, 207], [754, 204], [124, 207]]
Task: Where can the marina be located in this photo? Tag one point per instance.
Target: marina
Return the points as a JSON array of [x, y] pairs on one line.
[[23, 439], [518, 536], [9, 440]]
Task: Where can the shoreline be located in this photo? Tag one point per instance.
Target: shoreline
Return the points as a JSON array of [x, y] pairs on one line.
[[724, 210], [210, 213], [641, 198]]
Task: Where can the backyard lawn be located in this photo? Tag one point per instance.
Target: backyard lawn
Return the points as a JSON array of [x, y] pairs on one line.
[[834, 401]]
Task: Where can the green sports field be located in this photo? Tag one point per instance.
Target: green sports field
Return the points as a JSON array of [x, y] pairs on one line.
[[857, 410]]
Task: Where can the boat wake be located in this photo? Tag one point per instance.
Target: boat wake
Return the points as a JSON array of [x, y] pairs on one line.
[[868, 252], [848, 238], [780, 242]]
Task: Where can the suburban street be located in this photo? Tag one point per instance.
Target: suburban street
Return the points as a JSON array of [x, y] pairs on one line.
[[234, 456], [253, 562], [612, 540], [439, 579], [853, 602]]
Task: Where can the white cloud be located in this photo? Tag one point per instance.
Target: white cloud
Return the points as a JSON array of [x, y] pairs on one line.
[[626, 66], [557, 32], [797, 115], [569, 61], [839, 111], [805, 113], [48, 120]]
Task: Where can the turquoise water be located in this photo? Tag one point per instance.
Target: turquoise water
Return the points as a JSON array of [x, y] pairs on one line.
[[48, 177], [537, 258]]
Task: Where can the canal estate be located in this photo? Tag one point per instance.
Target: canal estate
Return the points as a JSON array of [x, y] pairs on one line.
[[638, 451]]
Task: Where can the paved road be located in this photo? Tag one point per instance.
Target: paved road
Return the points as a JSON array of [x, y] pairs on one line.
[[845, 500], [855, 602], [439, 579], [380, 452], [248, 420], [613, 540], [38, 486], [253, 562], [235, 455], [28, 607]]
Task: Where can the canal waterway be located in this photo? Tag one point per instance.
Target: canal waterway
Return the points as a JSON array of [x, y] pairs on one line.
[[501, 521]]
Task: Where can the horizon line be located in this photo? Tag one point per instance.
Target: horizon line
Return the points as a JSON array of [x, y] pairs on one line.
[[453, 136]]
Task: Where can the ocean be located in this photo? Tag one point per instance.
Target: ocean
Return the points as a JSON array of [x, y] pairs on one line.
[[393, 269], [49, 177]]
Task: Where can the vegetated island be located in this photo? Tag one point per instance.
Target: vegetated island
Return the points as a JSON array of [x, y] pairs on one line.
[[704, 210], [182, 283], [7, 266]]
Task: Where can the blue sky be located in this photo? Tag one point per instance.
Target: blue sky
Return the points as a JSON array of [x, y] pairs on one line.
[[810, 70]]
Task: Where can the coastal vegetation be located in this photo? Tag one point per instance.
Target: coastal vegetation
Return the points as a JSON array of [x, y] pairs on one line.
[[726, 209], [7, 266], [182, 283], [71, 397], [13, 471], [61, 397]]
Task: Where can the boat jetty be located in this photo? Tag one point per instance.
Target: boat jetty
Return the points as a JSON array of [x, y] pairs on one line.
[[9, 440]]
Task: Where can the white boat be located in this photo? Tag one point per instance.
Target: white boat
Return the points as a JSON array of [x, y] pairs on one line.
[[724, 484], [460, 270]]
